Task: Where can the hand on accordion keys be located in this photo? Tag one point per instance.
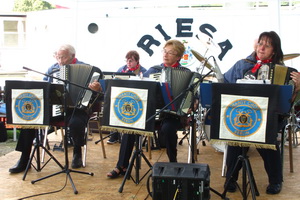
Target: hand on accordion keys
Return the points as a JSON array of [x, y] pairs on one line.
[[95, 86], [295, 76]]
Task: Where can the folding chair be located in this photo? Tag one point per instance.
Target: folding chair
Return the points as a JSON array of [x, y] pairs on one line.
[[94, 125]]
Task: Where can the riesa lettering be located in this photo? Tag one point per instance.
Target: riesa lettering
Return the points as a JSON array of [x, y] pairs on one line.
[[183, 30]]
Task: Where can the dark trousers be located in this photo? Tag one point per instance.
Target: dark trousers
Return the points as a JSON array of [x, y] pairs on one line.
[[25, 141], [126, 149], [168, 133], [77, 125], [271, 158]]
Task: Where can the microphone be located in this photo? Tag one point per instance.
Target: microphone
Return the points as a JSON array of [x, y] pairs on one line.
[[218, 72], [26, 68]]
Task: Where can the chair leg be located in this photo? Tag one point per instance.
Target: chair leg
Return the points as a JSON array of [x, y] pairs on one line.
[[101, 138], [85, 146], [84, 154], [89, 131], [224, 161], [44, 143], [149, 147], [55, 130], [290, 149], [62, 134]]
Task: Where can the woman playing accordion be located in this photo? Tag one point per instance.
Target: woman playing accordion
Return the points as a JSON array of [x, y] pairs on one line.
[[259, 65], [172, 52]]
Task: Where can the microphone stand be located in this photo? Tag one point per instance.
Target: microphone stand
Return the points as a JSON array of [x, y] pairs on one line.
[[192, 146], [66, 168], [218, 72], [190, 88]]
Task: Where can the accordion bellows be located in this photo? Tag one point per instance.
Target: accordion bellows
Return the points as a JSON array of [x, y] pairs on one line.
[[180, 84], [79, 77]]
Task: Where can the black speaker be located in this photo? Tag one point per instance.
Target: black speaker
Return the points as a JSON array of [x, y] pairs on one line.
[[180, 181]]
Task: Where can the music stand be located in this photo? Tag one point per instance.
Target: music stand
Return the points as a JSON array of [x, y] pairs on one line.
[[28, 93], [38, 144], [66, 168], [247, 122]]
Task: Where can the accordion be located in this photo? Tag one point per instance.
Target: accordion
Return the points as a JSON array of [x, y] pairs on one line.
[[175, 82], [79, 76], [277, 74]]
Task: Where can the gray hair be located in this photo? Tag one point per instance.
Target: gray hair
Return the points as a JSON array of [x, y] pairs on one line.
[[67, 47]]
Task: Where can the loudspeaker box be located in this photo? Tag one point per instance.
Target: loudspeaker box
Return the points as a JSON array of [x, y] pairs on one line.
[[180, 181]]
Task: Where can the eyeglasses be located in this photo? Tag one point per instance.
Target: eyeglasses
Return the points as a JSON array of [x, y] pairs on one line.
[[260, 44], [61, 57], [168, 52]]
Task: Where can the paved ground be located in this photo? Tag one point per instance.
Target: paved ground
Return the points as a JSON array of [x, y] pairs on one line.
[[100, 187], [6, 147]]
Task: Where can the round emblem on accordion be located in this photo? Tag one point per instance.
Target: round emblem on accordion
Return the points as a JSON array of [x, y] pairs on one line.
[[27, 106], [243, 117], [128, 107]]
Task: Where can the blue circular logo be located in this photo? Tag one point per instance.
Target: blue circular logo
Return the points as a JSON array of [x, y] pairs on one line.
[[243, 117], [128, 107], [27, 106]]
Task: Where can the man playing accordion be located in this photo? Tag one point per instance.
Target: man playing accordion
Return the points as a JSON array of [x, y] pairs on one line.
[[65, 55]]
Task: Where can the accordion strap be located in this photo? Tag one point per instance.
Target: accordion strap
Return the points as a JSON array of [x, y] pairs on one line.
[[158, 67], [249, 61]]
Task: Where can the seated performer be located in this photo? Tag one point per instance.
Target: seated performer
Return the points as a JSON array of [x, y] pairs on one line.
[[132, 65], [64, 55], [172, 52], [267, 50]]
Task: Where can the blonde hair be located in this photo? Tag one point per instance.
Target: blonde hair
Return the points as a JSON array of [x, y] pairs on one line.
[[177, 45]]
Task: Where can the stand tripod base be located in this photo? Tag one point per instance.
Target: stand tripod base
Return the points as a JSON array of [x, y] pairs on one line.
[[247, 173], [36, 150], [67, 171], [138, 153], [102, 139], [219, 194]]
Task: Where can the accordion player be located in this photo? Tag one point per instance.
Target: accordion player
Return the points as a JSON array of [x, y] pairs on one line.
[[262, 66], [79, 77], [178, 85]]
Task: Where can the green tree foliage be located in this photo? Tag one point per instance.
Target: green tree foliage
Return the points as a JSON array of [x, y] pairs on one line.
[[31, 5]]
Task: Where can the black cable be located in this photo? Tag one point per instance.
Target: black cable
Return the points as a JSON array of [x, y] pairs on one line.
[[45, 193], [148, 185]]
